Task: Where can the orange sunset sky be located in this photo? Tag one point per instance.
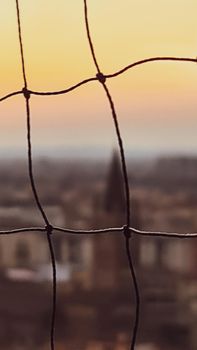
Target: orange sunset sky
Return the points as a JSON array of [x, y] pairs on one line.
[[156, 102]]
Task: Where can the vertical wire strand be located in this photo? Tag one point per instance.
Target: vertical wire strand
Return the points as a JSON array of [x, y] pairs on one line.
[[114, 115], [137, 294], [122, 154], [127, 233], [48, 227], [101, 78], [21, 44], [54, 287], [30, 164], [89, 37], [126, 230]]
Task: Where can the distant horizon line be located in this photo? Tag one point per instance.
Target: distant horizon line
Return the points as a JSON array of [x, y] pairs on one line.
[[90, 152]]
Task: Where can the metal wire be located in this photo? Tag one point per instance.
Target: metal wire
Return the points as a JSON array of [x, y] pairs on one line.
[[106, 76], [152, 59], [102, 231], [137, 294], [48, 227], [127, 230]]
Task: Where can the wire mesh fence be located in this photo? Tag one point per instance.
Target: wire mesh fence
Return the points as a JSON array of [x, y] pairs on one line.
[[48, 228]]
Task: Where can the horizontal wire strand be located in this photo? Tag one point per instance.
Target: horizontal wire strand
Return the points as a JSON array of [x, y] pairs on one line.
[[114, 230], [107, 76], [65, 91], [89, 232], [151, 59], [22, 230], [163, 234], [10, 95]]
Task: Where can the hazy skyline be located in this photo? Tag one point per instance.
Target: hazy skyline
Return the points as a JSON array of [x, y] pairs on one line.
[[156, 103]]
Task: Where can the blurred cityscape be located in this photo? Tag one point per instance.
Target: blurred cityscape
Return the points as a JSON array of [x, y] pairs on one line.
[[96, 301]]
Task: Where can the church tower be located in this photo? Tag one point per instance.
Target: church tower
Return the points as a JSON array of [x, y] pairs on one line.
[[109, 260], [114, 198]]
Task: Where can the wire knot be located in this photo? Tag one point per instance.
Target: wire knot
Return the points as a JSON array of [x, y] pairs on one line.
[[100, 76], [126, 231], [49, 229], [26, 93]]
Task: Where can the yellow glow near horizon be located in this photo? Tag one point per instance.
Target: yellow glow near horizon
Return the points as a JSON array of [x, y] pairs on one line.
[[57, 55]]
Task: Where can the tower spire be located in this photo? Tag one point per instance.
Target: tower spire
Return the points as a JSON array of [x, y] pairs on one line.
[[114, 200]]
